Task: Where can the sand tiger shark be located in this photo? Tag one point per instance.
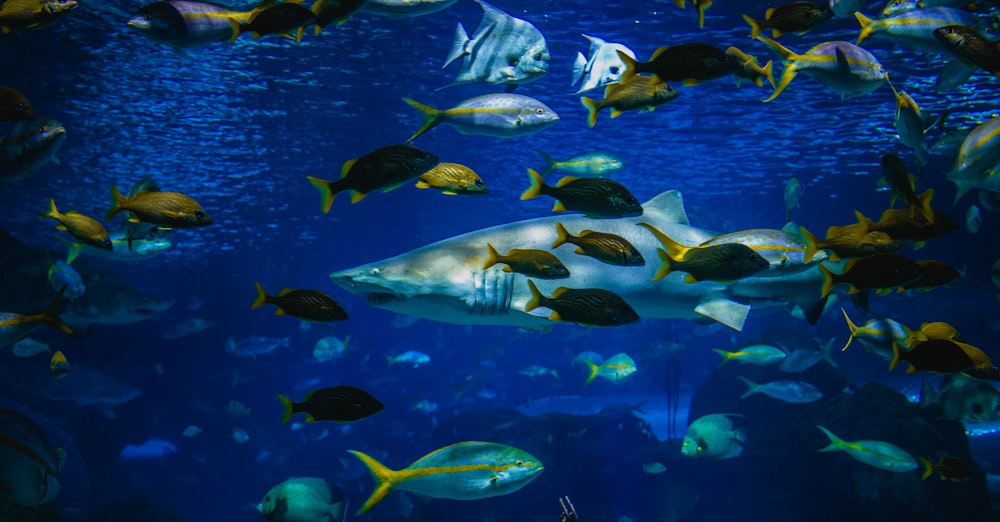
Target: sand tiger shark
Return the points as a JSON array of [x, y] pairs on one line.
[[445, 281]]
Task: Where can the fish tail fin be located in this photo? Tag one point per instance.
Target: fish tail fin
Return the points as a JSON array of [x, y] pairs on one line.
[[536, 297], [550, 163], [52, 212], [866, 27], [384, 480], [768, 72], [431, 115], [850, 326], [457, 46], [928, 468], [701, 7], [789, 58], [828, 281], [835, 442], [298, 35], [50, 315], [631, 67], [592, 110], [261, 297], [810, 241], [72, 252], [752, 387], [665, 265], [492, 256], [675, 249], [237, 30], [895, 356], [289, 408], [116, 202], [592, 369], [535, 189], [562, 235], [754, 26], [326, 190], [925, 205], [726, 356]]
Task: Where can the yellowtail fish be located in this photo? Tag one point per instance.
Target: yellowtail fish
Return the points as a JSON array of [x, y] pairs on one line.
[[593, 197], [879, 335], [639, 93], [756, 354], [530, 262], [274, 17], [184, 24], [15, 326], [453, 179], [793, 17], [977, 158], [909, 124], [785, 250], [502, 115], [84, 228], [587, 306], [464, 471], [58, 365], [308, 305], [842, 66], [607, 248], [793, 392], [914, 28], [688, 63], [750, 69], [32, 14], [586, 164], [877, 453], [384, 168], [335, 403], [618, 368], [718, 262], [14, 106], [167, 209]]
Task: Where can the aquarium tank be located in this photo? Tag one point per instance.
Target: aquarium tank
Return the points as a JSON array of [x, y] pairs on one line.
[[425, 260]]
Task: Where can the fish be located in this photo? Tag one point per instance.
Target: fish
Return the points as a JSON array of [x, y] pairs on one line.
[[84, 228], [336, 403], [58, 365], [944, 356], [793, 193], [404, 8], [700, 6], [639, 93], [973, 219], [410, 357], [971, 47], [850, 241], [14, 106], [909, 123], [802, 359], [308, 305], [933, 273], [844, 8], [587, 164], [586, 306], [452, 179], [255, 345], [785, 250], [89, 386], [756, 354], [443, 281], [606, 248], [914, 28], [31, 473], [750, 69], [28, 146], [280, 17], [464, 471], [425, 406], [602, 68], [977, 158], [530, 262], [903, 224], [62, 275], [689, 63], [965, 399], [898, 6], [876, 453], [880, 335], [903, 184], [120, 251], [15, 326], [503, 51], [185, 24], [167, 209], [722, 262], [302, 499], [501, 115], [618, 368], [189, 326], [384, 168], [794, 392], [535, 370], [331, 348], [593, 197], [879, 272], [653, 468], [29, 347], [714, 437], [330, 11], [841, 66], [153, 448], [797, 17], [950, 468], [113, 302], [33, 14]]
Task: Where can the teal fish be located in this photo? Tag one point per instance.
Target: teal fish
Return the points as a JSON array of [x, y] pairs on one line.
[[61, 275], [586, 164], [502, 115], [795, 392], [876, 453], [464, 471], [618, 368], [714, 437], [332, 348], [302, 499], [410, 357], [757, 354]]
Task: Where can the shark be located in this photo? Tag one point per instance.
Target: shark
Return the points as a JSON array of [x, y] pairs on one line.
[[445, 280]]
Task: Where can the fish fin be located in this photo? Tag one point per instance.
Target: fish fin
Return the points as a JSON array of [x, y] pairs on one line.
[[562, 235], [835, 442], [776, 33], [237, 30], [850, 326], [52, 212], [895, 357], [752, 387], [676, 250], [422, 184], [326, 192], [789, 58], [357, 196], [592, 110], [431, 115], [828, 280], [726, 356], [631, 66], [810, 240], [843, 66], [384, 480], [669, 205], [261, 297], [665, 267], [554, 316], [50, 315], [565, 180], [579, 67], [288, 406], [701, 7], [550, 163], [754, 26], [866, 27], [492, 256], [535, 189], [559, 207], [725, 311], [298, 34], [690, 279], [346, 167], [592, 371], [458, 45], [618, 112], [928, 469], [536, 297]]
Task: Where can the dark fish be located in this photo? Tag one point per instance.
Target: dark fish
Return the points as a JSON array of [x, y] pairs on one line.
[[337, 403], [309, 305], [904, 224], [689, 63], [85, 228], [796, 17], [168, 209], [951, 468], [28, 146], [274, 17], [587, 306], [183, 24], [932, 273], [604, 247], [14, 106], [593, 197], [881, 272], [329, 11], [903, 185], [723, 262], [943, 356], [530, 262], [385, 168], [970, 46], [639, 92]]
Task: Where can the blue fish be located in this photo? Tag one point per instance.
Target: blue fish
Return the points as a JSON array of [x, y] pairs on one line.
[[62, 275]]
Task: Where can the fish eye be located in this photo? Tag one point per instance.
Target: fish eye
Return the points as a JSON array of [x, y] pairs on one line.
[[613, 69], [199, 214], [539, 111], [539, 57], [107, 241], [479, 183], [977, 408], [513, 61], [561, 268], [21, 107], [518, 462]]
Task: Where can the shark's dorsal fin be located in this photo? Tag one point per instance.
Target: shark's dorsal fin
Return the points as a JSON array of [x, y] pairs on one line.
[[669, 205]]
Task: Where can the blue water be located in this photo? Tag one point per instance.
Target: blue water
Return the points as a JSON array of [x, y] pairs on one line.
[[239, 127]]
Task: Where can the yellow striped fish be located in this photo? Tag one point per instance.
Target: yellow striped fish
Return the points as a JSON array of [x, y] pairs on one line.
[[464, 471], [502, 115], [842, 66], [914, 28]]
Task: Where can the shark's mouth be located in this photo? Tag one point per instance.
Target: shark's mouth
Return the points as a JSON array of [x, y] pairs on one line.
[[381, 298]]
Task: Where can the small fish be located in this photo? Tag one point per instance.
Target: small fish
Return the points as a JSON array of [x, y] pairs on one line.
[[253, 346], [238, 410], [881, 272], [331, 348], [189, 326], [274, 17], [794, 392], [714, 437], [797, 17], [973, 219], [909, 123], [914, 28], [535, 371], [83, 228], [530, 262], [950, 468], [849, 241], [184, 24], [61, 275], [28, 146], [15, 326], [876, 453], [802, 359], [604, 247], [308, 305], [58, 365], [750, 69], [602, 68], [756, 354], [593, 197], [502, 115], [587, 306], [700, 6], [33, 14], [330, 11], [639, 93], [29, 347], [453, 179], [689, 63], [384, 168], [653, 468], [425, 406], [410, 357], [303, 499], [970, 46], [844, 8], [14, 106], [903, 185], [618, 368], [879, 335], [842, 66], [793, 193], [904, 224], [336, 403], [168, 209], [721, 262], [944, 356], [587, 164]]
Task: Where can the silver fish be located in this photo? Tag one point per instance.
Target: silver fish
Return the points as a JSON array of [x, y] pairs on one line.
[[254, 346], [503, 50], [603, 67], [502, 115], [794, 392]]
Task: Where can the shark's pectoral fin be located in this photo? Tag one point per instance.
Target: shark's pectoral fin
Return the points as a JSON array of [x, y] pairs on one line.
[[725, 311]]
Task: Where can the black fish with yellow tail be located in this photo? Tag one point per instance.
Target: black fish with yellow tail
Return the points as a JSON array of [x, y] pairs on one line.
[[309, 305], [724, 262], [587, 306], [793, 17], [690, 64], [606, 248], [883, 272], [593, 197], [336, 403], [385, 168]]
